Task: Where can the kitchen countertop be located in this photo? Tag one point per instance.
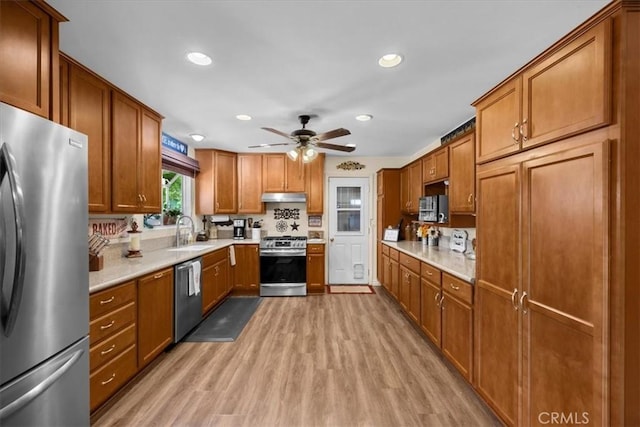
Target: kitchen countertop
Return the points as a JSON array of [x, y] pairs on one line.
[[131, 268], [443, 258]]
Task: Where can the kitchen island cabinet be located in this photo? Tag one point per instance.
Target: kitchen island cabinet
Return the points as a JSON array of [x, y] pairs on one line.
[[155, 315], [29, 57]]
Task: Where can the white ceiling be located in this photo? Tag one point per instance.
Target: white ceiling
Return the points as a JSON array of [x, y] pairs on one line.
[[275, 60]]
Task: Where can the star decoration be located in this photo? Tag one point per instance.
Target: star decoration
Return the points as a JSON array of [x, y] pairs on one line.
[[294, 226]]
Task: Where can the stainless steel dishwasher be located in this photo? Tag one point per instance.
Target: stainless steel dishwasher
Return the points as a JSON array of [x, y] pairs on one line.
[[187, 298]]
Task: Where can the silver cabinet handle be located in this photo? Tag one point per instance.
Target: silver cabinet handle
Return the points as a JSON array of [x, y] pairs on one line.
[[524, 309], [103, 327], [514, 297], [514, 135], [109, 350], [107, 301]]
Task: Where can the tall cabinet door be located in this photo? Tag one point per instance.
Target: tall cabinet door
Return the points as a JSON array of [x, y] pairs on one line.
[[250, 183], [125, 196], [564, 270], [150, 164], [497, 284]]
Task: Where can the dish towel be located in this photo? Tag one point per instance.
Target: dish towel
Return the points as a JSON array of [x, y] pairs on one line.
[[232, 256], [191, 286], [196, 270]]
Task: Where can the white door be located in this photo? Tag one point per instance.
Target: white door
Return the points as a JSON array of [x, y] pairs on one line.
[[348, 231]]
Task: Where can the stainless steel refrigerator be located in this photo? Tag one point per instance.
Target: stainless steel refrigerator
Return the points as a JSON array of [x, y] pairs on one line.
[[44, 293]]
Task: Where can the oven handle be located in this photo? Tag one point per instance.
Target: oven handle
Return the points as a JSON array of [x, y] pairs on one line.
[[282, 253]]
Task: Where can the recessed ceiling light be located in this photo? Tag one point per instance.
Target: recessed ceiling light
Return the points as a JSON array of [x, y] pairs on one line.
[[243, 117], [364, 117], [197, 137], [199, 58], [390, 60], [350, 145]]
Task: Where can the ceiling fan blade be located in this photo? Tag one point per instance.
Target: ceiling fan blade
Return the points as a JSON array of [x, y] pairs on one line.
[[331, 134], [271, 145], [334, 147], [277, 132]]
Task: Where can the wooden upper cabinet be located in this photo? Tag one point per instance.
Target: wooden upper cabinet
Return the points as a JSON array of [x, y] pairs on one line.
[[411, 187], [216, 184], [88, 110], [29, 56], [250, 183], [462, 179], [314, 185], [435, 166], [136, 157], [566, 92], [281, 174]]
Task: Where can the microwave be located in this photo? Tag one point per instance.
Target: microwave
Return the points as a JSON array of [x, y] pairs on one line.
[[434, 209]]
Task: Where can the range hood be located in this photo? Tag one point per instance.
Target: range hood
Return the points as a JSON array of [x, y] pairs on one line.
[[284, 197]]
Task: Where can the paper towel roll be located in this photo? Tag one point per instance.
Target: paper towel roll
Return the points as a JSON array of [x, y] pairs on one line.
[[218, 218]]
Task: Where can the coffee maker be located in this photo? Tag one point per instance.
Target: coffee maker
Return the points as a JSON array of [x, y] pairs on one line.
[[238, 228]]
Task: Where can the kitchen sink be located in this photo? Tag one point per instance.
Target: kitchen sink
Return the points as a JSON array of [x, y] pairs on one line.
[[191, 248]]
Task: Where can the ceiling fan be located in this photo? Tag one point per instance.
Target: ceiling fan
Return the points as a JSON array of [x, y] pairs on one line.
[[305, 139]]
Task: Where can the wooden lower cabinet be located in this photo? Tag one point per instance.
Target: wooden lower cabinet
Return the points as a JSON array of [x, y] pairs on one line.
[[112, 338], [409, 294], [457, 329], [394, 273], [155, 315], [214, 278], [246, 273], [431, 297], [315, 268]]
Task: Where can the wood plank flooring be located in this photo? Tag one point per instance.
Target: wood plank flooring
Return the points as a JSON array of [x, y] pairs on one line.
[[331, 360]]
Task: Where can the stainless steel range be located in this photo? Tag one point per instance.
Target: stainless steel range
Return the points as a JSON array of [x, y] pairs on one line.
[[283, 266]]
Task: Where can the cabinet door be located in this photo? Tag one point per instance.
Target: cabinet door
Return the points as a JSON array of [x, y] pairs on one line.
[[155, 315], [273, 173], [225, 184], [462, 178], [570, 90], [498, 121], [294, 181], [441, 160], [26, 56], [497, 283], [404, 189], [208, 287], [250, 183], [430, 311], [223, 284], [428, 168], [395, 278], [404, 293], [565, 313], [457, 334], [415, 186], [205, 204], [315, 272], [386, 272], [314, 183], [414, 297], [150, 164], [89, 103], [126, 120]]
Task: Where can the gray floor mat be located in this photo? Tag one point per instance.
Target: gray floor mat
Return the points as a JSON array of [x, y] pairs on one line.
[[226, 322]]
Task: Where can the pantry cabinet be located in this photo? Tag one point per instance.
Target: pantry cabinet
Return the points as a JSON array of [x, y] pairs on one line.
[[565, 92], [435, 166], [29, 57], [155, 315], [250, 184], [136, 156], [462, 197], [281, 174], [314, 185], [315, 268], [216, 184]]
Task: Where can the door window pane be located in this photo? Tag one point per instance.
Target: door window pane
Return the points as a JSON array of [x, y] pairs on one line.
[[349, 220], [349, 197], [349, 208]]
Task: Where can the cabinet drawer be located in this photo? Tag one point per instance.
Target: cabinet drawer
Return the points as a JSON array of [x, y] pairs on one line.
[[111, 322], [109, 348], [214, 257], [410, 262], [108, 379], [430, 273], [385, 250], [457, 288], [394, 254], [315, 249], [104, 301]]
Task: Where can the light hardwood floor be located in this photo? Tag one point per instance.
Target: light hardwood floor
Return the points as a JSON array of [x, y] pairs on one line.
[[331, 360]]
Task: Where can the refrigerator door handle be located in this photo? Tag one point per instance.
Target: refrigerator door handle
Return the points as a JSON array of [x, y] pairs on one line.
[[8, 168], [37, 390]]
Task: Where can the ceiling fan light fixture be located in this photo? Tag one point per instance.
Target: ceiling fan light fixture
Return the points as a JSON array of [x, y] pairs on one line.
[[350, 145], [364, 117], [309, 154], [199, 58], [243, 117], [390, 60], [197, 137], [293, 154]]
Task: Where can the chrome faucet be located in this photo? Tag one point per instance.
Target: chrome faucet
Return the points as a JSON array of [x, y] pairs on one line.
[[180, 218]]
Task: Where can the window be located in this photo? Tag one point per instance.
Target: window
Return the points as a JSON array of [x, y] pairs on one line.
[[176, 199], [349, 209]]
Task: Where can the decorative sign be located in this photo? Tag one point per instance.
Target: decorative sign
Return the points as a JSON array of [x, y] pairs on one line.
[[315, 220], [294, 226], [281, 226], [463, 128], [173, 144], [391, 234], [111, 228], [350, 166], [287, 213]]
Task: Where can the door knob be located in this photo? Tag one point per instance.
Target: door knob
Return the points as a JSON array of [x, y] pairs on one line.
[[331, 239]]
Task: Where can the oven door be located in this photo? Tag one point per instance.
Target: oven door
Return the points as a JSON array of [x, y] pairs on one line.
[[283, 273]]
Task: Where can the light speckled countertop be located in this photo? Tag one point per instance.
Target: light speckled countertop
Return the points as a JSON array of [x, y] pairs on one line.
[[130, 268], [443, 258]]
